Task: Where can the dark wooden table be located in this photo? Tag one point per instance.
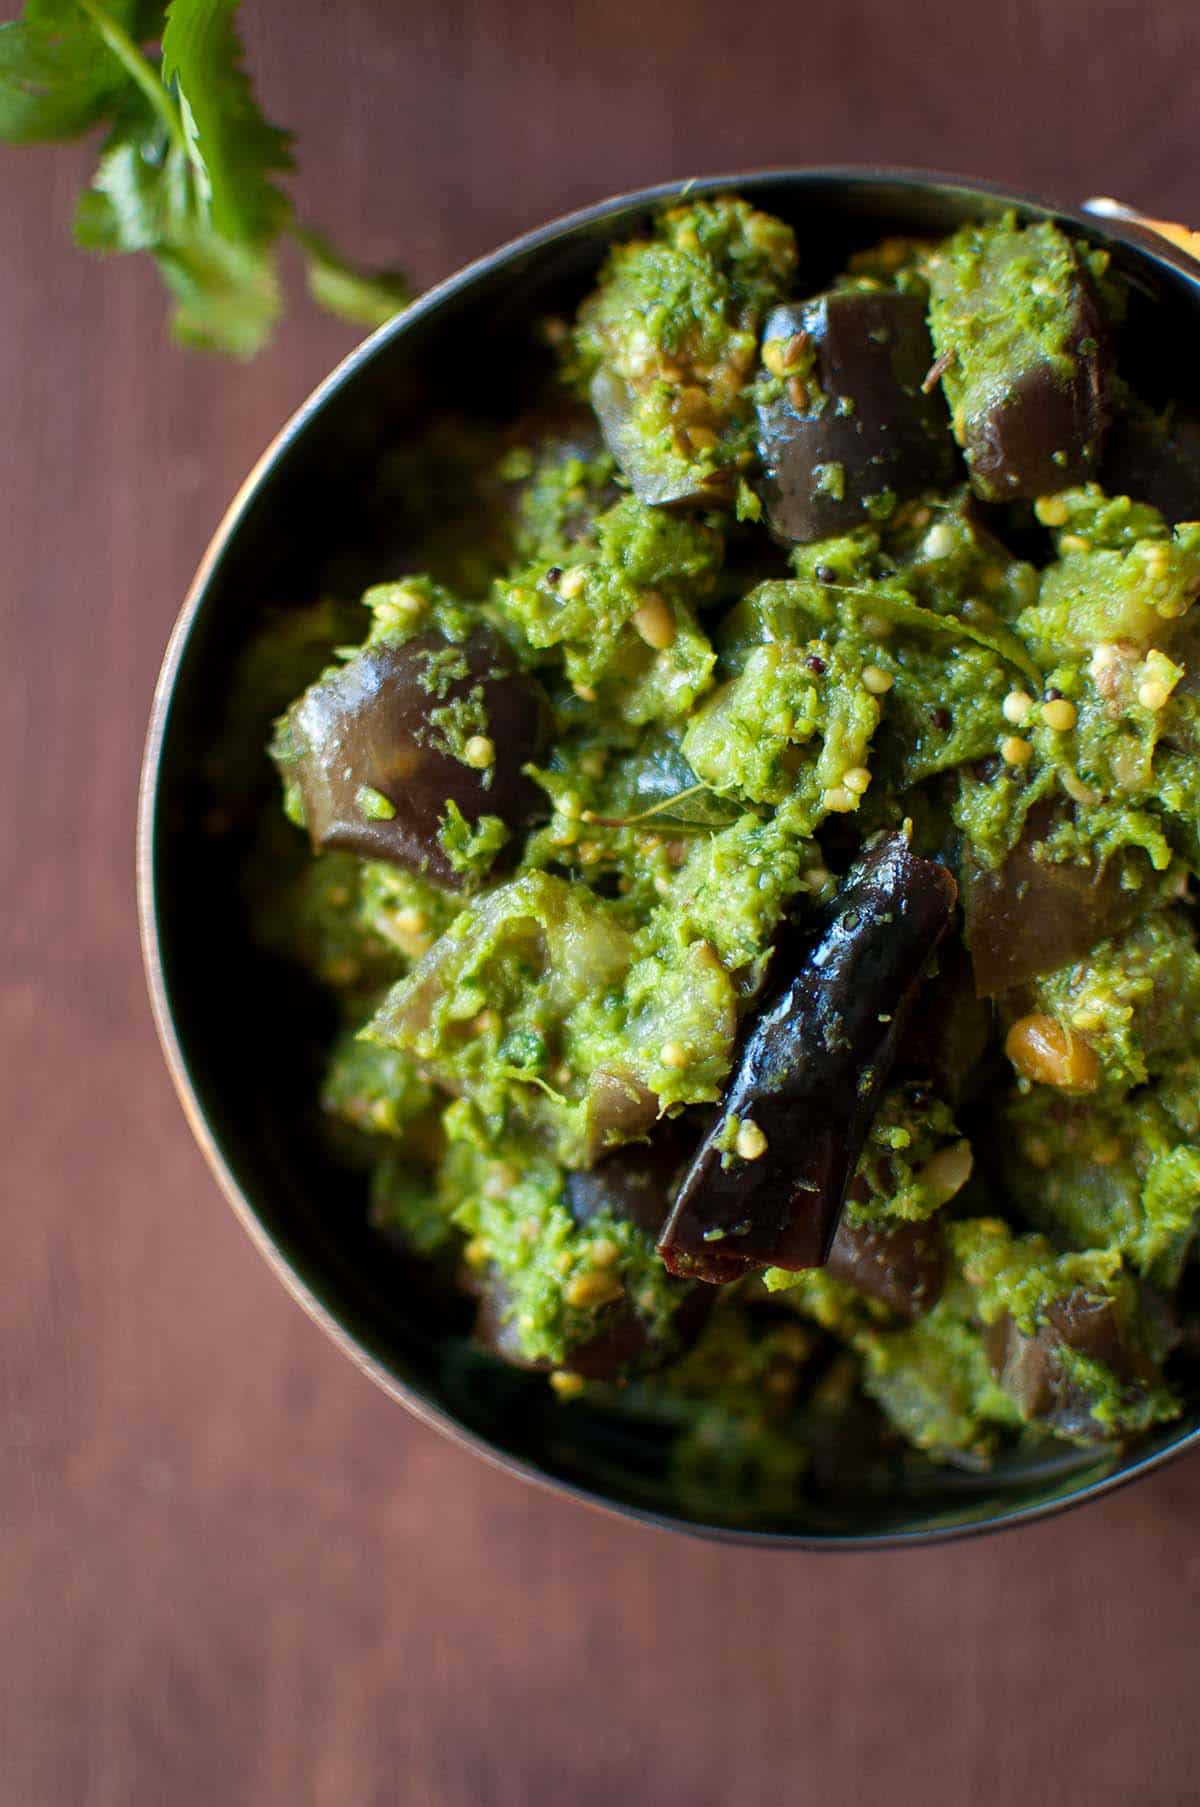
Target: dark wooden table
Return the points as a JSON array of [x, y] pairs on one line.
[[230, 1571]]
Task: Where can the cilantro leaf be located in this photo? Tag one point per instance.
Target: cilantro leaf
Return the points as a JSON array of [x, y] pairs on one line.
[[187, 172], [144, 198], [56, 77], [141, 193], [227, 295], [365, 297], [234, 150]]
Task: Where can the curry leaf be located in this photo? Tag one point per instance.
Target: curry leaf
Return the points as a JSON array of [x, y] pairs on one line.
[[897, 606], [686, 812]]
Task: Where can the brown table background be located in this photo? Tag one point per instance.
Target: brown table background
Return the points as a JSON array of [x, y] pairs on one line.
[[230, 1571]]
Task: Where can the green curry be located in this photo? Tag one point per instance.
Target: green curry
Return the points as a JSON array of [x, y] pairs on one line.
[[800, 683]]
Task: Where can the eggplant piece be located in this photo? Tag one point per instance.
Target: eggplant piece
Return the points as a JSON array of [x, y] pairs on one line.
[[668, 336], [809, 1077], [901, 1264], [495, 1326], [1155, 459], [1027, 1367], [1031, 916], [660, 478], [364, 734], [623, 1346], [620, 1348], [1022, 349], [949, 1033], [638, 1183], [634, 1185], [1041, 435], [861, 424], [555, 434]]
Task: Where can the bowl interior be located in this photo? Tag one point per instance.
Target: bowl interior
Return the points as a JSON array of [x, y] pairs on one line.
[[244, 1032]]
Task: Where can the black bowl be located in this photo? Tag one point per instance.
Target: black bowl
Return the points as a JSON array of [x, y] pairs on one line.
[[240, 1030]]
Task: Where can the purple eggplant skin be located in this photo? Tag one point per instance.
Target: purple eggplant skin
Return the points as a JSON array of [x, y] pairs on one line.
[[815, 1060], [1013, 447], [495, 1327], [620, 1348], [1026, 1365], [1031, 916], [951, 1029], [1155, 459], [634, 1185], [638, 1183], [367, 727], [1024, 354], [871, 430], [901, 1265], [658, 481]]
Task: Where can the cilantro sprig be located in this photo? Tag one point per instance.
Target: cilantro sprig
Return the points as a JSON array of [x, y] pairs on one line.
[[190, 170]]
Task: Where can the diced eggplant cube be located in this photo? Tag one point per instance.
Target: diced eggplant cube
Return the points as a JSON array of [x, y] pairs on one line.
[[1021, 347], [850, 428], [376, 771]]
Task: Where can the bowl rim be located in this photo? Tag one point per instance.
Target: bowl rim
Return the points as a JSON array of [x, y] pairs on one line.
[[1123, 231]]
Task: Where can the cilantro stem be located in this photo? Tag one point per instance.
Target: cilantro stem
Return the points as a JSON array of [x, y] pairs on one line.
[[138, 67]]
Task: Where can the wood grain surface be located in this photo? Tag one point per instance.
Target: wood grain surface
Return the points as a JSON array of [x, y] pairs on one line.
[[230, 1571]]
